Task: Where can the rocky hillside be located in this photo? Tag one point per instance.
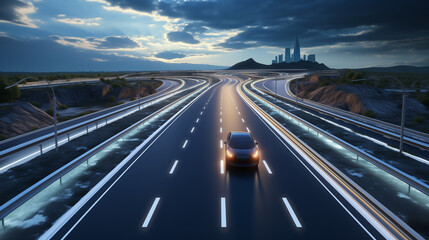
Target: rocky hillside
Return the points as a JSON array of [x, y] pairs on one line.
[[361, 98], [83, 95], [28, 113], [21, 117]]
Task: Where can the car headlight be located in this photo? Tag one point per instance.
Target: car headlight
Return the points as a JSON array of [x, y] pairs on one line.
[[229, 153], [255, 153]]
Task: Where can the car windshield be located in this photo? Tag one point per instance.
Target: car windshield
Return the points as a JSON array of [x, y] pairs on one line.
[[241, 141]]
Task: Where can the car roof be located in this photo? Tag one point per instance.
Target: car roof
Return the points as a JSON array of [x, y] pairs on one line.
[[240, 133]]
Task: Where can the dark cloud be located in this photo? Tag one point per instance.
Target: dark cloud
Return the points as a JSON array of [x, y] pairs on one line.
[[140, 5], [9, 11], [182, 37], [170, 55], [118, 42], [316, 23], [195, 27]]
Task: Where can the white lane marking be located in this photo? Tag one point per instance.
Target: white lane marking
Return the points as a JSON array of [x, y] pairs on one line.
[[236, 107], [184, 145], [340, 191], [201, 113], [239, 113], [266, 166], [220, 120], [292, 213], [223, 212], [220, 130], [220, 144], [220, 107], [192, 130], [70, 213], [222, 168], [204, 107], [247, 129], [220, 113], [151, 211], [174, 166], [197, 120], [242, 119]]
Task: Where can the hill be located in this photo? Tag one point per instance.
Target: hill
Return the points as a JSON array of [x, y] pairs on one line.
[[397, 69], [252, 64]]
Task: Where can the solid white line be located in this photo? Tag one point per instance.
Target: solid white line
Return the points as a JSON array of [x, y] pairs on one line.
[[174, 166], [247, 129], [266, 166], [184, 145], [337, 188], [70, 213], [292, 213], [220, 144], [220, 130], [222, 169], [192, 130], [151, 211], [223, 212], [242, 120], [197, 120]]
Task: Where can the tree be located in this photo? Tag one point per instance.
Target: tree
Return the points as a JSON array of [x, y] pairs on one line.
[[10, 94]]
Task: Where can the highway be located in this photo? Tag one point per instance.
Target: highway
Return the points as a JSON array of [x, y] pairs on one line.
[[279, 87], [7, 154], [179, 187], [357, 129]]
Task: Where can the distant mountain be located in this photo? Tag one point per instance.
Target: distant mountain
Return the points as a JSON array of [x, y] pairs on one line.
[[252, 64], [398, 69]]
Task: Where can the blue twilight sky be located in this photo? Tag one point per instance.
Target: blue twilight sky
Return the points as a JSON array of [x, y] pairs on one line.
[[111, 35]]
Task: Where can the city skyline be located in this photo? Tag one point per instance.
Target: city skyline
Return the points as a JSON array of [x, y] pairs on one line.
[[295, 56], [105, 34]]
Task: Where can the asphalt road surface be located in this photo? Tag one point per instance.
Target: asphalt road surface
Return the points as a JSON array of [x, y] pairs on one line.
[[178, 189]]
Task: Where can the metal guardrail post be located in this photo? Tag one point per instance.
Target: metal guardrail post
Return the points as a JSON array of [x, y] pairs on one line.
[[87, 129], [68, 137], [41, 149]]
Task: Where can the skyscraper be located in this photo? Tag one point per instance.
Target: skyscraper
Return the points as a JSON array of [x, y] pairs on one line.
[[280, 58], [287, 55], [311, 57], [296, 52], [276, 60], [303, 57]]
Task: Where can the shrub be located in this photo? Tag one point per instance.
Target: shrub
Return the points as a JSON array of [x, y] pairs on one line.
[[369, 113], [116, 85], [419, 119], [63, 106], [3, 137], [35, 103], [50, 111], [112, 99], [424, 98], [10, 94]]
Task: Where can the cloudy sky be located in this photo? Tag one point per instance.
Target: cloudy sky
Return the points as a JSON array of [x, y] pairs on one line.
[[109, 35]]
